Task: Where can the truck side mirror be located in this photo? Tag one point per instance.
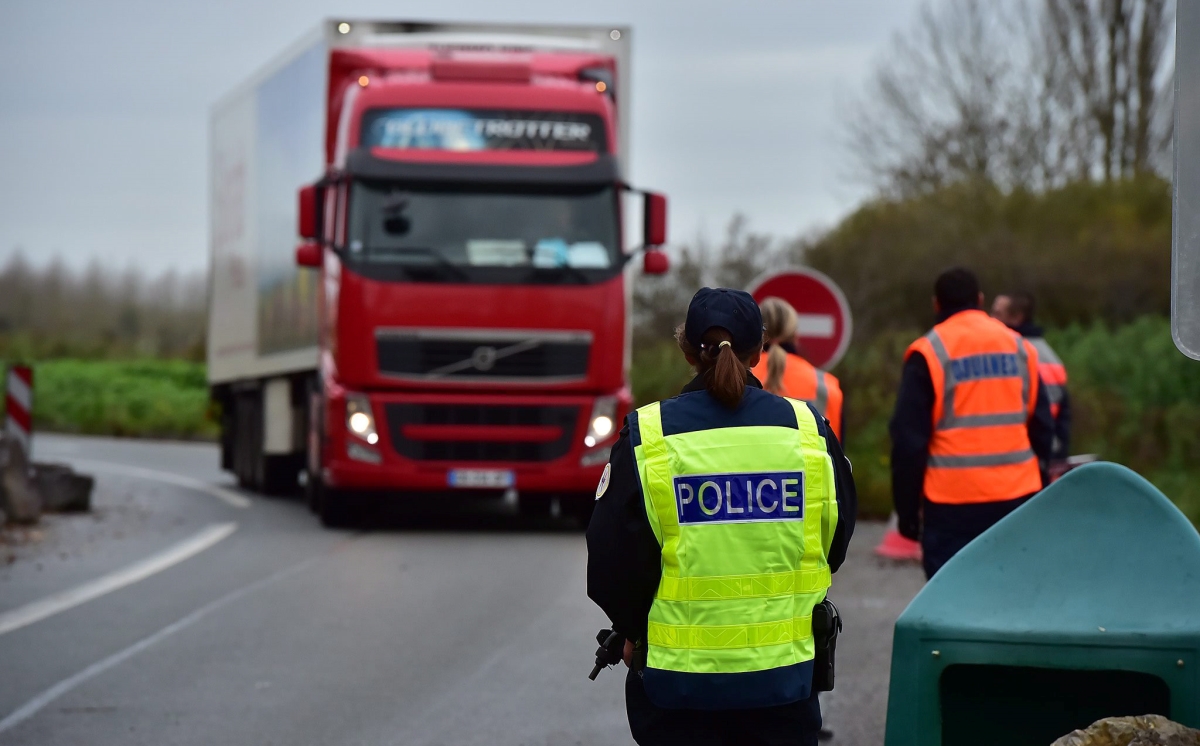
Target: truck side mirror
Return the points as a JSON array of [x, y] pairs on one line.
[[655, 262], [307, 211], [309, 254], [654, 220]]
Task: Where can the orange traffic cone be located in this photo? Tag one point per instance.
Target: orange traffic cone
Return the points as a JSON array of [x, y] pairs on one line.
[[896, 547]]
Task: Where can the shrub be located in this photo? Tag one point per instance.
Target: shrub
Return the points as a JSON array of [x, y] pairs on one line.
[[1088, 251], [1136, 400], [152, 398], [659, 372]]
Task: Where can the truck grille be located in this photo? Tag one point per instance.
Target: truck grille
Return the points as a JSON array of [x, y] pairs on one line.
[[483, 355], [449, 432]]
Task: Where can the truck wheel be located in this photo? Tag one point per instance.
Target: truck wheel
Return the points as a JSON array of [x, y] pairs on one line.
[[337, 508], [578, 507], [247, 441], [280, 474], [312, 493], [255, 470], [228, 433], [534, 505]]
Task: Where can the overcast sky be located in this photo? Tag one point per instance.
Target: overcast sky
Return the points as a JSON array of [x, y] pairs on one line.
[[738, 106]]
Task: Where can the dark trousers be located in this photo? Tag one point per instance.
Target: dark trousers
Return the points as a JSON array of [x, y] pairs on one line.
[[949, 528], [795, 724]]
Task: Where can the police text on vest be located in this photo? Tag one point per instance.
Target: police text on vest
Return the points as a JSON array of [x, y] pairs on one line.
[[732, 498]]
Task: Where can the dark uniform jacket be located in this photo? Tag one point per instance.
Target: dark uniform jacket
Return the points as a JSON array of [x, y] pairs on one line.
[[1062, 423], [624, 561]]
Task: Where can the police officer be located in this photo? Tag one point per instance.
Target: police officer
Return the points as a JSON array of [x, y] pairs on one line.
[[972, 425], [719, 518], [1016, 312], [784, 371]]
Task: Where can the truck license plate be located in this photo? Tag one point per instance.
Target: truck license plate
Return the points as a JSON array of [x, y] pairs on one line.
[[481, 478]]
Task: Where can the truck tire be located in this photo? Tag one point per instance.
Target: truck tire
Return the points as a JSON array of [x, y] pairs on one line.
[[270, 475], [280, 474], [534, 505], [228, 432], [578, 507], [335, 508], [312, 493], [247, 441]]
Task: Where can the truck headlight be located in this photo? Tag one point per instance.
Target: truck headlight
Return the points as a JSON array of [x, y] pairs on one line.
[[602, 423], [359, 419]]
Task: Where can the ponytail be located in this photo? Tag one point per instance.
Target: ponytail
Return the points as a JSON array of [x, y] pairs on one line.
[[780, 323], [776, 364], [723, 369], [726, 379]]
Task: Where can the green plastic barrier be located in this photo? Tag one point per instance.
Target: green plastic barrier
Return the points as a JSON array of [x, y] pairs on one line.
[[1082, 604]]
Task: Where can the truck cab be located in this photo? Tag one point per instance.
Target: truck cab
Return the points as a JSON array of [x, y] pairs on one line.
[[473, 291]]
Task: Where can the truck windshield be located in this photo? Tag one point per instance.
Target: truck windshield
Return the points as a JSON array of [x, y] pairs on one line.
[[427, 234]]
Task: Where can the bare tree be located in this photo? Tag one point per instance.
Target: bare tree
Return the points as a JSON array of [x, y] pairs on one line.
[[660, 303], [1030, 94], [16, 293], [54, 311], [940, 106], [1106, 65]]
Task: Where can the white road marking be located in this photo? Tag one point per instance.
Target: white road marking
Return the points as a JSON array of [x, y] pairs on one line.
[[140, 570], [228, 497], [33, 706], [59, 449], [815, 325]]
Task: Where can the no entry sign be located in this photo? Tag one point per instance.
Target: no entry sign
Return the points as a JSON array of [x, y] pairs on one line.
[[824, 329]]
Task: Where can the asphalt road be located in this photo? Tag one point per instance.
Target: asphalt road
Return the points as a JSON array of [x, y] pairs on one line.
[[180, 613]]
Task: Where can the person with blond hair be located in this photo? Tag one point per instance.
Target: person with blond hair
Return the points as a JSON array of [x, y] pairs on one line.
[[785, 372]]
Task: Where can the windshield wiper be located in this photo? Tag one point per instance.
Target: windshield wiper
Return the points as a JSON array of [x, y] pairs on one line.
[[438, 260], [566, 269]]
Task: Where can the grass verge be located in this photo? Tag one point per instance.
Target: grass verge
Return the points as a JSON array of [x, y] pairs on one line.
[[141, 398]]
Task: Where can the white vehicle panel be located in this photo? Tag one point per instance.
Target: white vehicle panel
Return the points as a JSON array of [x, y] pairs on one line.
[[267, 140]]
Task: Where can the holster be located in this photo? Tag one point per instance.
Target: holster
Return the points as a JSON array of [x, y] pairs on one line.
[[826, 624], [638, 663]]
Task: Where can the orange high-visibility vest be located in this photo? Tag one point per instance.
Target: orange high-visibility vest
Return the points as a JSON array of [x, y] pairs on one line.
[[803, 381], [1052, 372], [985, 381]]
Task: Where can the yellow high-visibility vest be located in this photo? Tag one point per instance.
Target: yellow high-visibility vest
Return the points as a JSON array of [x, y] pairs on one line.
[[745, 511]]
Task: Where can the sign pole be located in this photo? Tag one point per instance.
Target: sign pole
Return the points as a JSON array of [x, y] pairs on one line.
[[1185, 203]]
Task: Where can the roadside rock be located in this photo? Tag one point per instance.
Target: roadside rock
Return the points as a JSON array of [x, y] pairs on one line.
[[19, 499], [61, 489], [1144, 730]]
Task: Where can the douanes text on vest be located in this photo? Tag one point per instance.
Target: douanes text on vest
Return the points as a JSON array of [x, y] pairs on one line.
[[729, 498], [986, 365]]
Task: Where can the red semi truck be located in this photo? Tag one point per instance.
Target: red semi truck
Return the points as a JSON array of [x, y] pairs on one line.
[[456, 317]]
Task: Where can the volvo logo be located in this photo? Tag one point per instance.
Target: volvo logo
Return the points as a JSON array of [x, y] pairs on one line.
[[483, 358]]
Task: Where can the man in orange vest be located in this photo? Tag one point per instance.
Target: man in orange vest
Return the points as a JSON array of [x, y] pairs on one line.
[[1016, 311], [972, 426]]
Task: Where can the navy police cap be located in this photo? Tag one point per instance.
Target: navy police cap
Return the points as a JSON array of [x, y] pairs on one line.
[[733, 310]]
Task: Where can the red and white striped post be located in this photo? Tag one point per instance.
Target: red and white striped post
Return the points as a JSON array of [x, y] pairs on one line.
[[18, 405]]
